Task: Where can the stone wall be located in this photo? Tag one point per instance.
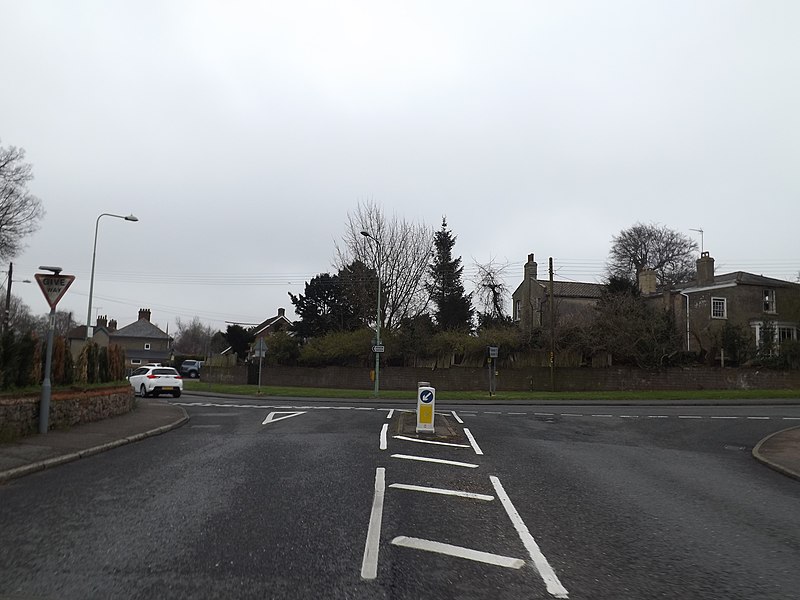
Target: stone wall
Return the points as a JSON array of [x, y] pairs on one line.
[[19, 416], [530, 379]]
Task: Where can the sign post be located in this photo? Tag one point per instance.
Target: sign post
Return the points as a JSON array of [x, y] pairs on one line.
[[494, 352], [261, 352], [426, 404], [54, 285]]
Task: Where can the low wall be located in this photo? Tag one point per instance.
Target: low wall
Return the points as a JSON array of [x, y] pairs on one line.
[[20, 416], [531, 379]]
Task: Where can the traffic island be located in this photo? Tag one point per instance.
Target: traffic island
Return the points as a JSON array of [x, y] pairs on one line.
[[406, 425]]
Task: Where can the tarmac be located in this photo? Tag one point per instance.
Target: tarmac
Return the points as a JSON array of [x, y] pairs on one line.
[[779, 451]]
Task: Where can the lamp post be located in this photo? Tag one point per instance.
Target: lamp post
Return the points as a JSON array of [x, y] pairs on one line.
[[94, 256], [378, 314]]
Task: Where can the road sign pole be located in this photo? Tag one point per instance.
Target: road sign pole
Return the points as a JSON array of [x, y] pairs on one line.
[[44, 402]]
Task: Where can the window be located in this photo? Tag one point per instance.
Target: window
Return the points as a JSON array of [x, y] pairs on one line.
[[136, 361], [719, 308], [769, 301], [518, 310], [147, 346], [786, 333]]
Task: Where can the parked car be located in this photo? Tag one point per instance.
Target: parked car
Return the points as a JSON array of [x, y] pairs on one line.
[[152, 381], [191, 368]]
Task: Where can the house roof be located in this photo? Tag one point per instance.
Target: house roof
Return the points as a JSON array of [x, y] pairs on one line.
[[738, 278], [140, 329], [79, 332], [268, 323], [573, 289]]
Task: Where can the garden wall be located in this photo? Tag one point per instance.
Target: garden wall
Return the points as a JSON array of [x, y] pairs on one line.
[[20, 416], [531, 379]]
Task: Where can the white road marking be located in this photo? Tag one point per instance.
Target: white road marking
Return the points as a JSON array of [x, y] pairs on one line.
[[472, 441], [657, 417], [546, 572], [759, 418], [459, 552], [607, 416], [410, 439], [570, 415], [369, 565], [516, 413], [271, 418], [384, 429], [342, 407], [791, 418], [725, 417], [430, 490], [390, 414], [492, 412], [543, 414], [456, 417], [436, 460], [689, 417], [629, 416], [364, 408]]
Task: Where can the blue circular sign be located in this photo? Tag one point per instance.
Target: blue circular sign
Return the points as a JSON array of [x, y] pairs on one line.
[[426, 396]]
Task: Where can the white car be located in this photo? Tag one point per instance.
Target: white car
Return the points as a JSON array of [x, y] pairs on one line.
[[152, 381]]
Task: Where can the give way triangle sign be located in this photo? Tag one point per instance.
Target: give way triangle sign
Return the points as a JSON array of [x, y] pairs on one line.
[[54, 286], [273, 416]]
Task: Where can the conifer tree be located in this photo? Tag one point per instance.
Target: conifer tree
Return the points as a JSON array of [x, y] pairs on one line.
[[453, 307]]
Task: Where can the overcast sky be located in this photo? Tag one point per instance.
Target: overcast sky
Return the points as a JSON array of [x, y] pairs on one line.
[[241, 134]]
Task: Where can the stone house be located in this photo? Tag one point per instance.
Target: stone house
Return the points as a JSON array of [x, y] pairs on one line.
[[702, 308], [531, 305]]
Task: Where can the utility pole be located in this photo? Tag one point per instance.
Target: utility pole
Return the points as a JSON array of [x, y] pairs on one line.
[[7, 314], [552, 332]]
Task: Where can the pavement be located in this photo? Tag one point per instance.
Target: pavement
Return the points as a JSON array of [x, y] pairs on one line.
[[779, 451], [43, 451]]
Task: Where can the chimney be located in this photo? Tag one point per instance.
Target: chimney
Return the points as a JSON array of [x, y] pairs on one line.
[[705, 270], [281, 312], [647, 281], [531, 273], [112, 325], [144, 313], [102, 321]]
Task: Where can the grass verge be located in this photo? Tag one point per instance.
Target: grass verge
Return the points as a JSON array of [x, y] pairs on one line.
[[297, 392]]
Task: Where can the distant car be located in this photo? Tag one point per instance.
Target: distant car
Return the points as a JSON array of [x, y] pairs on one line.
[[152, 381], [191, 368]]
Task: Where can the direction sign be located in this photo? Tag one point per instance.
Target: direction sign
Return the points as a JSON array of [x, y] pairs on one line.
[[53, 286], [377, 348], [426, 396]]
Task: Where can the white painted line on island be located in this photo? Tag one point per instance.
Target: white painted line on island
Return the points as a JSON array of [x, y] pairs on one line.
[[472, 441], [443, 492], [384, 429], [272, 417], [369, 565], [554, 587], [390, 414], [459, 552], [456, 417], [410, 439], [440, 461]]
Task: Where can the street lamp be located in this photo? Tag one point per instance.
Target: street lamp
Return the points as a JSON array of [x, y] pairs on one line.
[[378, 314], [94, 256]]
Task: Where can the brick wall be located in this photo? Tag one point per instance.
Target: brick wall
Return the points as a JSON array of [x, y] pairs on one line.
[[20, 416], [530, 379]]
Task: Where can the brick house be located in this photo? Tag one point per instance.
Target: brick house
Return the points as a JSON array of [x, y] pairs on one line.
[[530, 301], [101, 335], [703, 307], [142, 341]]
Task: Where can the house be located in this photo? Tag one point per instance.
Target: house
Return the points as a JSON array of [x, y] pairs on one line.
[[530, 300], [265, 329], [703, 307], [142, 341], [101, 335]]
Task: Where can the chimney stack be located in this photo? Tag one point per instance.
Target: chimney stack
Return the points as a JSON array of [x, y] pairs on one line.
[[281, 312], [144, 313], [102, 321], [705, 270], [112, 325], [647, 281], [531, 269]]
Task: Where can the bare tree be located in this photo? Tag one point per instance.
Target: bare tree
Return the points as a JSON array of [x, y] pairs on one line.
[[492, 292], [669, 253], [400, 249], [20, 211], [193, 337]]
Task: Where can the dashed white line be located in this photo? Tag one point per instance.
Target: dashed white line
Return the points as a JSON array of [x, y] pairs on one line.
[[369, 565], [605, 416], [657, 416], [430, 490], [459, 552], [517, 413], [629, 416], [543, 414], [546, 572], [689, 417], [725, 417], [791, 418], [364, 408], [436, 460], [570, 415], [410, 439], [456, 417], [759, 418], [384, 429], [472, 441], [492, 412]]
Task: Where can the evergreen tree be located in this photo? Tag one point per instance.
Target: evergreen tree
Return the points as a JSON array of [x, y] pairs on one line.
[[453, 306]]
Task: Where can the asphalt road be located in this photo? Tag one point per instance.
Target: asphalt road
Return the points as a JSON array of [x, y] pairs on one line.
[[257, 500]]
